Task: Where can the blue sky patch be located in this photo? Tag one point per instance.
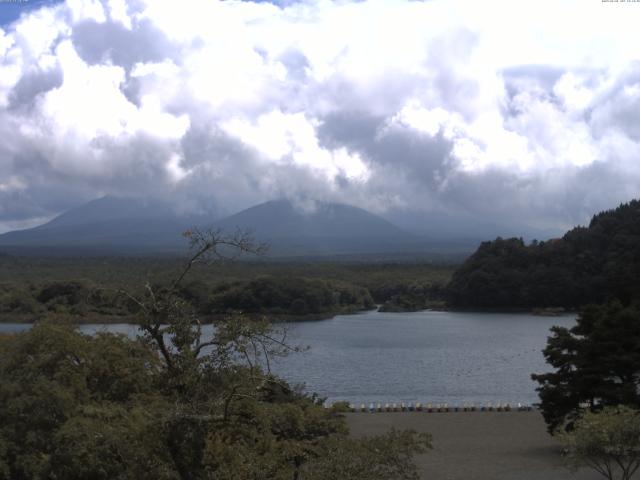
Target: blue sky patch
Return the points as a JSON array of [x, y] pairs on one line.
[[10, 10]]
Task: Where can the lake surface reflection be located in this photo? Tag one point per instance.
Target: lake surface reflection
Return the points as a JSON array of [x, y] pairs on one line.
[[424, 356]]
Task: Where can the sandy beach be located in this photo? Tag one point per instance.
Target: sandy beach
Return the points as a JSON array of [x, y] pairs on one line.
[[478, 445]]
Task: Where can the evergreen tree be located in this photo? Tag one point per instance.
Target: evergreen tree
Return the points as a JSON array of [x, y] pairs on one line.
[[596, 362]]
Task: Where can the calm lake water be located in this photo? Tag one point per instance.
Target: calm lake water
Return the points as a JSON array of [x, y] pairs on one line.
[[407, 357]]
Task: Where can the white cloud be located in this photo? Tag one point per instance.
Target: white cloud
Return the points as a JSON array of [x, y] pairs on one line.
[[436, 104], [118, 12], [12, 183], [291, 139]]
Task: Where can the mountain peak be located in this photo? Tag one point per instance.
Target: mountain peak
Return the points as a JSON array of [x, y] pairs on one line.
[[283, 218]]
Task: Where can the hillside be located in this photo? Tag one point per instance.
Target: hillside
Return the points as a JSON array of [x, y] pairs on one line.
[[588, 264]]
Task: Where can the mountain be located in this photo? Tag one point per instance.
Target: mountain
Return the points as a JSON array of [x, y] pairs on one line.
[[325, 228], [281, 218], [107, 225], [588, 264], [112, 225]]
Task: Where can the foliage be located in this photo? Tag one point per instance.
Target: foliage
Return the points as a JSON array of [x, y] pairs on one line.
[[86, 289], [58, 388], [596, 362], [172, 404], [377, 458], [341, 407], [607, 441], [293, 296], [411, 297], [586, 265]]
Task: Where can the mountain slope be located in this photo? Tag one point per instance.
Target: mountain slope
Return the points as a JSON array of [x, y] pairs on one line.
[[108, 224], [327, 228]]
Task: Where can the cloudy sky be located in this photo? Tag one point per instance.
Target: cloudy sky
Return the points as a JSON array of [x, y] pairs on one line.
[[523, 111]]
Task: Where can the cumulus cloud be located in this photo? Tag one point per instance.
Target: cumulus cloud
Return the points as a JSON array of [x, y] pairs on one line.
[[501, 110]]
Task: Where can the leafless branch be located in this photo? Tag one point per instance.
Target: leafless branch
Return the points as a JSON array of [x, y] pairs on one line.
[[205, 243]]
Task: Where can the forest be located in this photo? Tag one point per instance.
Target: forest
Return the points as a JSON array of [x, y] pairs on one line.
[[587, 265], [88, 289]]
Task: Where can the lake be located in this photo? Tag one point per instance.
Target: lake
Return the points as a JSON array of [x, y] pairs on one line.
[[436, 357]]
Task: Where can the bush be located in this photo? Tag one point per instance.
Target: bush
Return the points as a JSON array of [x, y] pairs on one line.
[[607, 441]]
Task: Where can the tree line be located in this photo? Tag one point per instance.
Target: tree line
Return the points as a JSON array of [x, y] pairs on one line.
[[85, 289]]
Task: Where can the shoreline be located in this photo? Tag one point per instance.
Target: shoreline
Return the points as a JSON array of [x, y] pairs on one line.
[[8, 318]]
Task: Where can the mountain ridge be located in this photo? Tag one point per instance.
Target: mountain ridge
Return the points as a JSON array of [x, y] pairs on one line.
[[122, 224]]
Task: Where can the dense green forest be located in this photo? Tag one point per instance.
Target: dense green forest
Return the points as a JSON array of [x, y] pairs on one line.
[[89, 289], [587, 265]]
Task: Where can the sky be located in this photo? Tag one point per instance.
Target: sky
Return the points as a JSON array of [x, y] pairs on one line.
[[510, 111]]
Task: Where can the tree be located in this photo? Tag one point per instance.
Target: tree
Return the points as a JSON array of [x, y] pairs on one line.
[[607, 441], [76, 406], [173, 404], [597, 363]]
